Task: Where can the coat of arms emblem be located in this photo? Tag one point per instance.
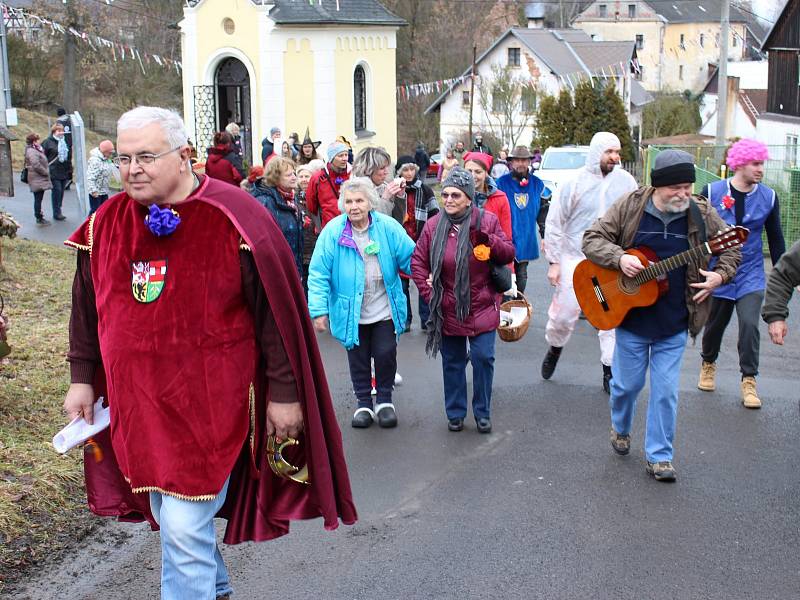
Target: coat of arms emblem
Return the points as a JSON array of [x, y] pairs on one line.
[[521, 200], [147, 279]]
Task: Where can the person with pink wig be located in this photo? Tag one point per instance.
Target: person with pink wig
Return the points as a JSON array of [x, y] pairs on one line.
[[743, 200]]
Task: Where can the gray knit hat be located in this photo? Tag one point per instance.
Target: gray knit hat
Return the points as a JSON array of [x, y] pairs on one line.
[[672, 167], [460, 178]]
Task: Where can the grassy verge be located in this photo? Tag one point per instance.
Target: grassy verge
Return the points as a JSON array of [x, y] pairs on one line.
[[42, 498]]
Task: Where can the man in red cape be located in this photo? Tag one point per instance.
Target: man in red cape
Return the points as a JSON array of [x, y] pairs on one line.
[[189, 318]]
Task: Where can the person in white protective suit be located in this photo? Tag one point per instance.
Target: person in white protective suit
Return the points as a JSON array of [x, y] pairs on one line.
[[577, 204]]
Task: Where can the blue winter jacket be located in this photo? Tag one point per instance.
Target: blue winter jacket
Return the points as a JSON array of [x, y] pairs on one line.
[[289, 219], [336, 274]]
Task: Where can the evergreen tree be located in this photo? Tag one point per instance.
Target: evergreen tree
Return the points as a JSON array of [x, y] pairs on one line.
[[566, 117], [548, 124], [589, 113], [617, 121]]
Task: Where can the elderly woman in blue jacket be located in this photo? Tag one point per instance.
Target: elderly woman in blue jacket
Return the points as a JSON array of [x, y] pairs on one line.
[[354, 288]]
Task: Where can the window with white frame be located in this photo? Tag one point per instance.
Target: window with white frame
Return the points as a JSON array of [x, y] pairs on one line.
[[360, 98], [603, 11], [528, 101], [631, 11], [513, 57], [639, 41]]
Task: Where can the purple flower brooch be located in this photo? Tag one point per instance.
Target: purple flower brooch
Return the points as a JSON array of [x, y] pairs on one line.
[[162, 221]]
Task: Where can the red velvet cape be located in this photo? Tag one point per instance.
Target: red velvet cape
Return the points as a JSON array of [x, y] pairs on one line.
[[259, 505]]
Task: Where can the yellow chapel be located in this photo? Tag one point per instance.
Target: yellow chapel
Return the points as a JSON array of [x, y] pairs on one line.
[[326, 65]]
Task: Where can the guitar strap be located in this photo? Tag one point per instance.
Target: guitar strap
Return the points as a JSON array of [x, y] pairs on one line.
[[698, 218]]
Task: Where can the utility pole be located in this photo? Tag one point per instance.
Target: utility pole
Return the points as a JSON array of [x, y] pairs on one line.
[[70, 95], [472, 90], [722, 75], [5, 81]]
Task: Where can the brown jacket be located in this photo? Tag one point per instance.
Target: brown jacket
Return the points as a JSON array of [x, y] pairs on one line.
[[38, 171], [782, 281], [607, 239]]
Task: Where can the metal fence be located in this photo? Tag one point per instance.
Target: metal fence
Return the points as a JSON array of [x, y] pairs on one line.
[[781, 173]]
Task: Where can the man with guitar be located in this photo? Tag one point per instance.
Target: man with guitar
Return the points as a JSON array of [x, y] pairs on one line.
[[669, 220], [743, 200], [578, 203]]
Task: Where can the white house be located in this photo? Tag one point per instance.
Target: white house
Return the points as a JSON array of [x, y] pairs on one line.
[[548, 59], [747, 99]]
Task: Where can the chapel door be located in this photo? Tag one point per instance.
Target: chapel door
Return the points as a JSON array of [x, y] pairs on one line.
[[233, 101]]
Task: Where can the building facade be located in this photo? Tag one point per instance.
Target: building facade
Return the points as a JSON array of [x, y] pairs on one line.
[[675, 41], [545, 60], [292, 65]]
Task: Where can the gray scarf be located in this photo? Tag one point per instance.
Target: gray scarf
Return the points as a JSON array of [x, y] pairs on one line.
[[461, 285]]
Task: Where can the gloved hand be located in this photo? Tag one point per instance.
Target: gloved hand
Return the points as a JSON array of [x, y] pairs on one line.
[[512, 291]]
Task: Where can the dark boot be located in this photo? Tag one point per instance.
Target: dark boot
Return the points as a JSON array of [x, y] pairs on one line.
[[607, 379], [550, 361]]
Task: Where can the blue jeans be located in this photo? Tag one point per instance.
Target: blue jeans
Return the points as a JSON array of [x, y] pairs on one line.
[[96, 201], [424, 309], [632, 355], [191, 564], [454, 371]]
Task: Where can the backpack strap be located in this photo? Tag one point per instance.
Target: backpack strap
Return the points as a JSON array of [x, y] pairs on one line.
[[698, 218]]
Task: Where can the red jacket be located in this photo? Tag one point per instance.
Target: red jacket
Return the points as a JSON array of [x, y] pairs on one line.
[[484, 311], [225, 164], [497, 204], [322, 194]]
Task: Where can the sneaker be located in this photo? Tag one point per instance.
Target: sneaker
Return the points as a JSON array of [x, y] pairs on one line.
[[386, 416], [750, 397], [661, 471], [620, 443], [550, 361], [362, 418], [455, 424], [607, 379], [708, 375]]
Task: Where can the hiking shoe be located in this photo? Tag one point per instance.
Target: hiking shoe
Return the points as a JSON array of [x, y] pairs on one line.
[[550, 361], [750, 397], [607, 379], [386, 415], [620, 443], [484, 425], [59, 217], [708, 374], [661, 471], [42, 221], [455, 424]]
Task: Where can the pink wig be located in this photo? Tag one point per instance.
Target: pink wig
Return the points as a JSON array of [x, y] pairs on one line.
[[745, 151]]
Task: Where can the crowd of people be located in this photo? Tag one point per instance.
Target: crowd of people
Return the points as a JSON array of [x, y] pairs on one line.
[[358, 230]]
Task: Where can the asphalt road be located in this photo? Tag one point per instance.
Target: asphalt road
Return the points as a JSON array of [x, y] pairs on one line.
[[541, 508]]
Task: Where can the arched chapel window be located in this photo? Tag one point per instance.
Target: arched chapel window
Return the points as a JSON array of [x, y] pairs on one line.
[[360, 98]]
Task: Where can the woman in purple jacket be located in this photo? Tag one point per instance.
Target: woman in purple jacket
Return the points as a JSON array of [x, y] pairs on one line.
[[451, 268]]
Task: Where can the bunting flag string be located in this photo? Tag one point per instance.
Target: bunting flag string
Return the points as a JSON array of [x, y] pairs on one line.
[[414, 90], [95, 42]]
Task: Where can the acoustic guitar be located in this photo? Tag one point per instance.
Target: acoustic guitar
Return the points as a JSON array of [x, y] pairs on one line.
[[606, 295]]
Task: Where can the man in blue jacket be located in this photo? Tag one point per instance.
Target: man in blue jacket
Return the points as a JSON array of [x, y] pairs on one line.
[[743, 200], [527, 197]]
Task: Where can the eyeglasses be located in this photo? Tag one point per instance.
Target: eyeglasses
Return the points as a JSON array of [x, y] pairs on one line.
[[453, 195], [146, 158]]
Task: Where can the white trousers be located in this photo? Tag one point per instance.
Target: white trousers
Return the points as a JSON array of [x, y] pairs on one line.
[[564, 312]]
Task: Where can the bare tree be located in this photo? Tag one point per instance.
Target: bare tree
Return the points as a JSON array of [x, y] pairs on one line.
[[508, 104]]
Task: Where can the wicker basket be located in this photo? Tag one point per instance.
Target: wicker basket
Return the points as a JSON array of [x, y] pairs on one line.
[[514, 334]]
